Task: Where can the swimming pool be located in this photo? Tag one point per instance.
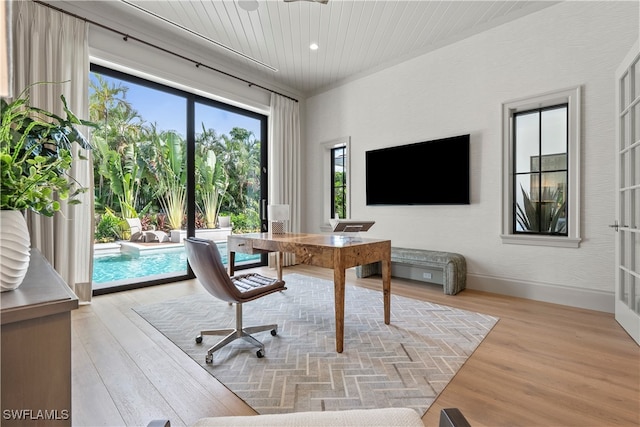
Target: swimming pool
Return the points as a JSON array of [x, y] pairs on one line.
[[125, 265]]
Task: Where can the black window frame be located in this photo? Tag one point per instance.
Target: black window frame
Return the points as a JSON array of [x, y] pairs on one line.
[[339, 188], [540, 170], [191, 100]]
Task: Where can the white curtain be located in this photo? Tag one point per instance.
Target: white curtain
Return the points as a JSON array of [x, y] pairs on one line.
[[49, 46], [6, 72], [284, 160]]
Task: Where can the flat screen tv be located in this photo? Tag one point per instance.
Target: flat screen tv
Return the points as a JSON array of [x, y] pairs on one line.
[[424, 173]]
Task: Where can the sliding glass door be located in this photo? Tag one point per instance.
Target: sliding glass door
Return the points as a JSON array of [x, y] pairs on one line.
[[168, 164]]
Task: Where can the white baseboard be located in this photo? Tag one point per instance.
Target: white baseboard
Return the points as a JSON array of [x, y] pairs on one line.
[[556, 294]]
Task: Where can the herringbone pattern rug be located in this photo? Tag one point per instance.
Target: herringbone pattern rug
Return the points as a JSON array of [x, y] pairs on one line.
[[407, 363]]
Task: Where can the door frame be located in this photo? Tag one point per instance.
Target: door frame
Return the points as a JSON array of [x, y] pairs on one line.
[[627, 266]]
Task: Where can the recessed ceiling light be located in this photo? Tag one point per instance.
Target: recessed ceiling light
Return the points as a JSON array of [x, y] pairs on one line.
[[313, 46], [248, 5]]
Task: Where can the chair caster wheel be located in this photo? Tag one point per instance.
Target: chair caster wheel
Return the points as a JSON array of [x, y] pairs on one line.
[[274, 332], [209, 359], [199, 339], [260, 354]]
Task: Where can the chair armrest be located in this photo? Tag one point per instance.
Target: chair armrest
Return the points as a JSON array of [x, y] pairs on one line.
[[452, 417], [159, 423]]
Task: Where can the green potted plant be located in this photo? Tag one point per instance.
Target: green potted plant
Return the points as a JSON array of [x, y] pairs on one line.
[[35, 158]]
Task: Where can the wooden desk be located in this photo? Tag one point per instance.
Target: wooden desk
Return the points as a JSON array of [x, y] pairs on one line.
[[36, 348], [322, 250]]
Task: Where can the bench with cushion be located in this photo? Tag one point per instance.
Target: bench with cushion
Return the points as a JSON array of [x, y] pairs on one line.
[[446, 268]]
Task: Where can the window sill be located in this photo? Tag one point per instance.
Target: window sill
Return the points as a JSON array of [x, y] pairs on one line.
[[560, 242]]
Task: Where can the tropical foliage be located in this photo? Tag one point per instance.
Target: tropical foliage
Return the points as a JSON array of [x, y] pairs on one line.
[[212, 178], [109, 227], [36, 155], [140, 170], [544, 216], [339, 194]]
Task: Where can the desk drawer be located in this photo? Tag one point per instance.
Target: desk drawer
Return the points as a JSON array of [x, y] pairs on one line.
[[244, 246]]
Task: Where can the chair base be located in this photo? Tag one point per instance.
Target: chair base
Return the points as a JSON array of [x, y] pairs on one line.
[[232, 334]]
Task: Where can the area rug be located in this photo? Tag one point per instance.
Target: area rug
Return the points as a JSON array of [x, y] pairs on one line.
[[404, 364]]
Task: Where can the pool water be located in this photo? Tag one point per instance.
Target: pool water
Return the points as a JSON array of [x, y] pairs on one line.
[[123, 265]]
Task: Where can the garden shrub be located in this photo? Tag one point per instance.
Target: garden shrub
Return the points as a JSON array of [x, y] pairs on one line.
[[109, 228]]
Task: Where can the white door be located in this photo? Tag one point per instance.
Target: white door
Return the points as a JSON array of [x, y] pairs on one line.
[[627, 224]]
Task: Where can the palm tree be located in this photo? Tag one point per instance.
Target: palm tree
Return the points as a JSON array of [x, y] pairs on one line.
[[116, 154], [104, 97], [212, 180], [169, 169], [117, 160], [240, 153]]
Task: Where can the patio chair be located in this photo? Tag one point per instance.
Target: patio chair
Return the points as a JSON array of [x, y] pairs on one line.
[[147, 236], [204, 258]]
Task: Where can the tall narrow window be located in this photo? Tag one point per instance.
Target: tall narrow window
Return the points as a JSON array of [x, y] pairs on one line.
[[336, 177], [338, 183], [541, 170], [540, 175]]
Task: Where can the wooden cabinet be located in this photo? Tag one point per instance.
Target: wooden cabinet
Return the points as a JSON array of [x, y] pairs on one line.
[[36, 348]]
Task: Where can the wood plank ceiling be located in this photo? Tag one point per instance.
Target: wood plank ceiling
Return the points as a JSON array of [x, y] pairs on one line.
[[271, 43]]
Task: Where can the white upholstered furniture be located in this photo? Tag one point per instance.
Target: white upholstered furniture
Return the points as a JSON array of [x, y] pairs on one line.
[[379, 417]]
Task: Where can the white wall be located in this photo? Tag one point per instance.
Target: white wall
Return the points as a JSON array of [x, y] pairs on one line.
[[459, 89]]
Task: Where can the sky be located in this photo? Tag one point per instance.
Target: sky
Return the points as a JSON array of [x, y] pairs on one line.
[[169, 111]]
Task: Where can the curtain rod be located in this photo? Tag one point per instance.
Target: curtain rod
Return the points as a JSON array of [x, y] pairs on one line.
[[127, 37]]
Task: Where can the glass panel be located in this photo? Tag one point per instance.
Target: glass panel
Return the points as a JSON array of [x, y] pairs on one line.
[[627, 250], [623, 161], [339, 182], [541, 208], [628, 131], [553, 203], [339, 204], [526, 140], [624, 206], [553, 162], [227, 170], [635, 287], [635, 136], [635, 255], [139, 170], [526, 199], [624, 134], [634, 155], [338, 167], [635, 209], [636, 78], [625, 284], [624, 92], [554, 138]]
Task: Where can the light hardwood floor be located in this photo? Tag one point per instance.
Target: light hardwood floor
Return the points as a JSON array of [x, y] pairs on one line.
[[542, 364]]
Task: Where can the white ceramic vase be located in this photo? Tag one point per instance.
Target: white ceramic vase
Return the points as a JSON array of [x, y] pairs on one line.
[[14, 249]]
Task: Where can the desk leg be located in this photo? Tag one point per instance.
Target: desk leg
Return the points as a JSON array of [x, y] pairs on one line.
[[279, 262], [338, 282], [386, 289], [231, 260]]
